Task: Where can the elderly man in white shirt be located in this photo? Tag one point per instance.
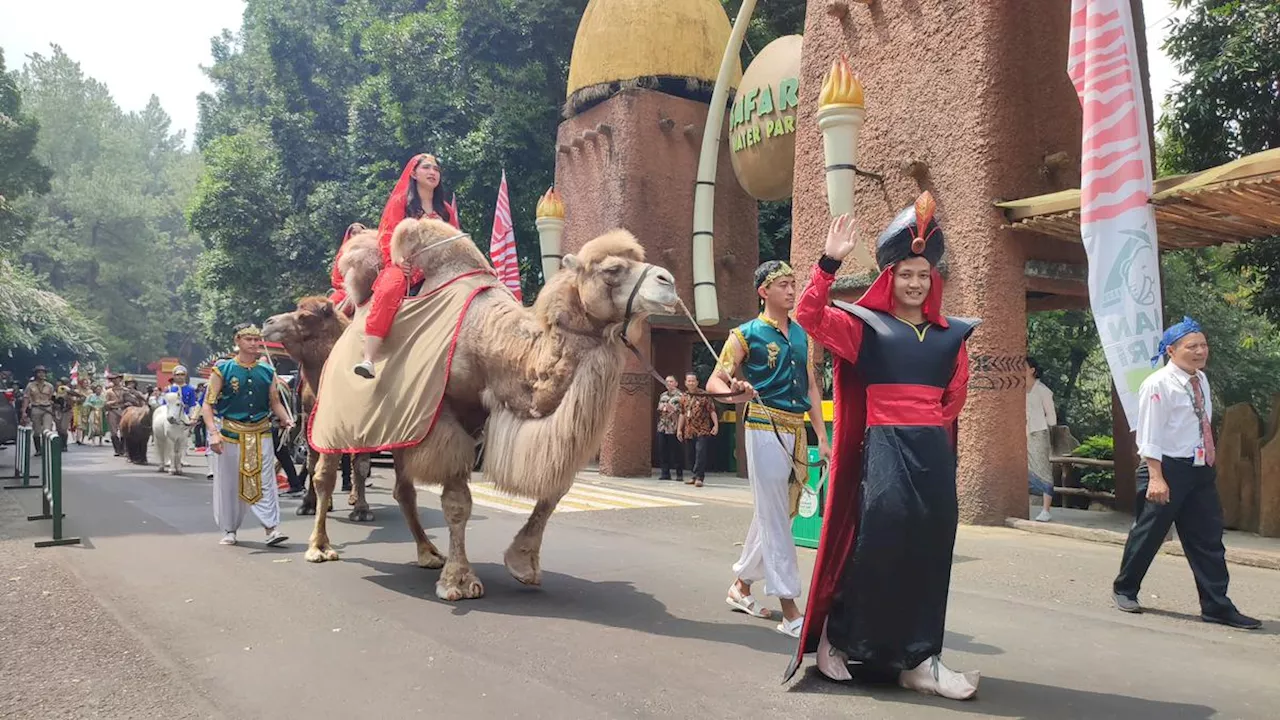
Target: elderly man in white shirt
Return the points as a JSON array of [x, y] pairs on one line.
[[1175, 440]]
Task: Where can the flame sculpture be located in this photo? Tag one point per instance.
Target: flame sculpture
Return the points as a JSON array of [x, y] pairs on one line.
[[841, 113], [550, 223]]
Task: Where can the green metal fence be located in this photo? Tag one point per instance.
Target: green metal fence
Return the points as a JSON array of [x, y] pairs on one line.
[[51, 475], [22, 459]]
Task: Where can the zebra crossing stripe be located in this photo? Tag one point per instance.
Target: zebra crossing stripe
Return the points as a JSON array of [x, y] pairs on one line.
[[581, 498]]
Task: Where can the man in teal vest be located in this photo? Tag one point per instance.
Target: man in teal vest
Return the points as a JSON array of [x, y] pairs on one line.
[[780, 385], [241, 398]]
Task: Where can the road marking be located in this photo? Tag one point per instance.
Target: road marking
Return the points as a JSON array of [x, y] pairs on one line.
[[581, 498]]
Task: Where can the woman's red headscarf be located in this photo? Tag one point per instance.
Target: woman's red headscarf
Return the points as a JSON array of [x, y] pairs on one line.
[[397, 204]]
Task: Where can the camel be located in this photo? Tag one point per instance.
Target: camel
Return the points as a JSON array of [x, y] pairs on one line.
[[541, 382], [308, 334]]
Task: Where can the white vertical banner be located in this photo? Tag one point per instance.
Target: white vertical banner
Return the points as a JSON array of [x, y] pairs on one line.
[[1117, 223]]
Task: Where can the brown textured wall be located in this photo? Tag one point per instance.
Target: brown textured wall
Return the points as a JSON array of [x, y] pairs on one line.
[[641, 177], [978, 92]]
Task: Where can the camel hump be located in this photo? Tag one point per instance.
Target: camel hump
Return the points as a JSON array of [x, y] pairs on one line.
[[360, 263]]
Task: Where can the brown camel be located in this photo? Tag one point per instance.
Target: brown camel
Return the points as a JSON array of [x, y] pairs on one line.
[[308, 335], [539, 381]]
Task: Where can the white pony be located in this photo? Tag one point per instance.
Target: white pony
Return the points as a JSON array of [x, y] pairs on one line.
[[170, 428]]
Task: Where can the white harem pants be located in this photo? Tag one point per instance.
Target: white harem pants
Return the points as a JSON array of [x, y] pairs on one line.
[[228, 508], [769, 552]]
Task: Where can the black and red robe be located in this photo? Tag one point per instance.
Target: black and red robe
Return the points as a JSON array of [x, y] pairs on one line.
[[880, 582]]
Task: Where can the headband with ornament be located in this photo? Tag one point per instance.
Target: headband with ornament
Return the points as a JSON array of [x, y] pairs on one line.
[[770, 271], [251, 331]]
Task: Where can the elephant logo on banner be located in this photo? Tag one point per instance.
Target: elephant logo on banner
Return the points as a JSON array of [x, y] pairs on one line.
[[1136, 272]]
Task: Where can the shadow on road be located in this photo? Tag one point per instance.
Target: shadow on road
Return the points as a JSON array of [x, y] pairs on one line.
[[611, 604], [1268, 628], [1015, 699]]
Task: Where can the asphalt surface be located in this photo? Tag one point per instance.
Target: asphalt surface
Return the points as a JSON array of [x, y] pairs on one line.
[[151, 618]]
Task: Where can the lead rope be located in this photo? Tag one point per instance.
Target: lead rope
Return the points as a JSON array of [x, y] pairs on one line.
[[773, 425]]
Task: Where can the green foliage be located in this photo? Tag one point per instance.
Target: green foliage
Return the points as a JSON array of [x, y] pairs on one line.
[[20, 171], [318, 105], [109, 236], [1065, 344], [1228, 107], [1244, 357], [1097, 447]]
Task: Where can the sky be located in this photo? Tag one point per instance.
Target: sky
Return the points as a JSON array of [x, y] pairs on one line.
[[144, 47]]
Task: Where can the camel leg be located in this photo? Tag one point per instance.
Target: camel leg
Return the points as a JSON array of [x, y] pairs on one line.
[[326, 475], [523, 557], [308, 506], [407, 496], [458, 581], [360, 468]]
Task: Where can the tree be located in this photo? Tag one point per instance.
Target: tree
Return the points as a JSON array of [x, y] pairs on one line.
[[109, 236], [20, 171], [1228, 106]]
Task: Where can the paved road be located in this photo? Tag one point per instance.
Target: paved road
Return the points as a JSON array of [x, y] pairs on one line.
[[630, 622]]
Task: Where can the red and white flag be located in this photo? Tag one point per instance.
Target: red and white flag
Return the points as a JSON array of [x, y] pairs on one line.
[[502, 246], [106, 374], [1117, 223], [75, 374]]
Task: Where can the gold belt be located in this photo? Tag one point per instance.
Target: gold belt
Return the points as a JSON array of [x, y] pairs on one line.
[[249, 437]]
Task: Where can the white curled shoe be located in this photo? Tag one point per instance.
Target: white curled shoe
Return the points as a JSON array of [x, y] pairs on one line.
[[364, 369], [832, 662], [931, 677]]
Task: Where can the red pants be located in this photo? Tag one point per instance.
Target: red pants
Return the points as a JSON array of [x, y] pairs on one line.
[[388, 292]]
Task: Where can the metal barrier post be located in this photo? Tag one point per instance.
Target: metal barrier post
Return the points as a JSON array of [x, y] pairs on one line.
[[22, 459], [51, 475]]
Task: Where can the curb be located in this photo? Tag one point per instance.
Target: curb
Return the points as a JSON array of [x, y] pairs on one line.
[[1250, 558]]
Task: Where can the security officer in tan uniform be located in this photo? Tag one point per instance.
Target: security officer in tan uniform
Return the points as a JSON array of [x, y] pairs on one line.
[[37, 407], [116, 402]]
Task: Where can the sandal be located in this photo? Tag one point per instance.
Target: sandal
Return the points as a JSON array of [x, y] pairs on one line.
[[745, 603], [791, 628]]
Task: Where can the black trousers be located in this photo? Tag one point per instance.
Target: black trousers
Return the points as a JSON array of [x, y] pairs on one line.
[[670, 455], [286, 460], [1194, 508], [696, 449], [345, 465]]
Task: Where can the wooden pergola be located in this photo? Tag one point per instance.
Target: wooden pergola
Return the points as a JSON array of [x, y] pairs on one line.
[[1231, 203]]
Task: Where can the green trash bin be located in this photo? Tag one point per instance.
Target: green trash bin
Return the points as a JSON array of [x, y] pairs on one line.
[[806, 528]]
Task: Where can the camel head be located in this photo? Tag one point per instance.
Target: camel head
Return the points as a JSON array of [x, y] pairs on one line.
[[603, 277], [435, 247], [315, 322]]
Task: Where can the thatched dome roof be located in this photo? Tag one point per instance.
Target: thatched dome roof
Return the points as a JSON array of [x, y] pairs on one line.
[[648, 43]]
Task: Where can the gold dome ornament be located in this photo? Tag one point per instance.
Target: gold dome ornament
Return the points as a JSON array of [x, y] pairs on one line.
[[550, 205], [549, 219], [670, 45]]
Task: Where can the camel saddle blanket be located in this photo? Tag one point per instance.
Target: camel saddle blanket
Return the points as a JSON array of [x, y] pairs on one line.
[[399, 406]]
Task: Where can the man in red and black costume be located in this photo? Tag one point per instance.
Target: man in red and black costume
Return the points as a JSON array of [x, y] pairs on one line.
[[880, 583]]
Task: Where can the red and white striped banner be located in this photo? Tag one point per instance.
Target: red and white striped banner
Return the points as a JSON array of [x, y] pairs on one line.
[[1117, 224], [502, 245]]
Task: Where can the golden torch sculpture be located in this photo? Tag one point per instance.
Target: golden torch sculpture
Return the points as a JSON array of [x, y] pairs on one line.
[[841, 113], [550, 223]]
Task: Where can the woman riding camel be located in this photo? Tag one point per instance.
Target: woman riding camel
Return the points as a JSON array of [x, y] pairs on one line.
[[418, 194], [339, 295]]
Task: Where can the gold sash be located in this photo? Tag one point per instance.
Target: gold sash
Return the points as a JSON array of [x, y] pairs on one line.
[[249, 437], [785, 423]]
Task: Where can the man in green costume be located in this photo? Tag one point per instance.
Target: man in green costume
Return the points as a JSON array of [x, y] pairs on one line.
[[242, 397]]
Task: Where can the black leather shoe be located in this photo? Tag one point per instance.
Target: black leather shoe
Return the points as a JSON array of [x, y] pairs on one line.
[[1233, 618], [1124, 603]]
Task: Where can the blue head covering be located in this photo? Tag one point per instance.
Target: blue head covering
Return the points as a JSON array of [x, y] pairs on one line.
[[1173, 335]]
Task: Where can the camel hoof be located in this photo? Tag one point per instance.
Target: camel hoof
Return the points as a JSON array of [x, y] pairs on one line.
[[306, 510], [523, 566], [467, 587], [319, 555], [358, 515], [430, 560]]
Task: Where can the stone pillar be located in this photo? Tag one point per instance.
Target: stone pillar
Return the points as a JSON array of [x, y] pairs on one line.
[[964, 101], [628, 438]]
